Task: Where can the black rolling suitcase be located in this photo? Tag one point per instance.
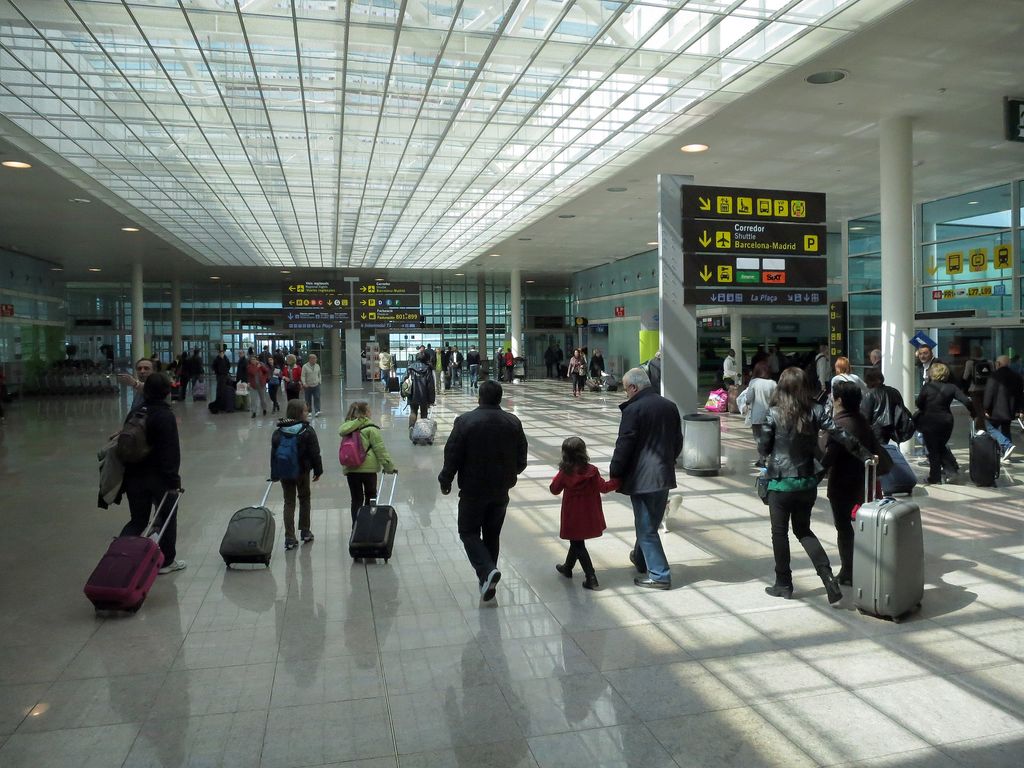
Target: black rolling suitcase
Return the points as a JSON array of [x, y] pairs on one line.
[[250, 535], [984, 457], [393, 384], [373, 532]]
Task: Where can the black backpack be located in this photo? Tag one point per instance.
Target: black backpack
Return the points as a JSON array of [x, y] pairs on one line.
[[981, 373], [132, 443]]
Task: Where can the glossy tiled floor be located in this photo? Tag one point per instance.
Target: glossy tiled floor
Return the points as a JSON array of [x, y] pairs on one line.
[[322, 662]]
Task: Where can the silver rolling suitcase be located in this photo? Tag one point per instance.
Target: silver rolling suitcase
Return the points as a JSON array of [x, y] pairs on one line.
[[888, 553]]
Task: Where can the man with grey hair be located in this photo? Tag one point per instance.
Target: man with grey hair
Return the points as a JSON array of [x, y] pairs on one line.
[[650, 438], [875, 358]]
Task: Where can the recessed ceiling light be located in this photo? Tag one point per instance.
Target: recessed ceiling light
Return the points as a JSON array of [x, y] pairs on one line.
[[827, 77], [567, 215], [129, 229], [530, 281], [95, 269], [82, 200], [972, 202], [15, 164], [856, 229], [653, 242], [286, 271], [494, 255], [694, 148], [460, 274], [215, 277], [616, 189], [56, 269]]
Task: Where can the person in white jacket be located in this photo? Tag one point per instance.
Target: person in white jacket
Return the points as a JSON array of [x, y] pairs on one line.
[[311, 384], [729, 373]]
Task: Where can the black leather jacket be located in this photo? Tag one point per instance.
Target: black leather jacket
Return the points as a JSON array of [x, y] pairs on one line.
[[878, 407], [794, 454]]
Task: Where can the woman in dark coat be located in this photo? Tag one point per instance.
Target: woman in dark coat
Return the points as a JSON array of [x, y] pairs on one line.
[[789, 438], [146, 481], [846, 471], [422, 393], [935, 422]]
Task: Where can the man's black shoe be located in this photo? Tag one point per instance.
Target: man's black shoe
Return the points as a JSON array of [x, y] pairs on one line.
[[564, 570], [651, 583], [487, 589], [632, 559]]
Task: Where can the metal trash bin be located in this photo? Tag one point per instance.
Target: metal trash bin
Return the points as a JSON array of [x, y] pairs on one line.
[[702, 444]]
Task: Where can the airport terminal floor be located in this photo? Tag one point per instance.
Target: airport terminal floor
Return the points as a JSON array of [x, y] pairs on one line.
[[320, 661]]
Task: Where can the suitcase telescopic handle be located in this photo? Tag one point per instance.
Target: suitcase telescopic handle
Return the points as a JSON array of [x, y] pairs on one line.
[[380, 488], [870, 478], [178, 493], [266, 493]]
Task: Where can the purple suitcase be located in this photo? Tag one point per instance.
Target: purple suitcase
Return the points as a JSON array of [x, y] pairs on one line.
[[125, 574]]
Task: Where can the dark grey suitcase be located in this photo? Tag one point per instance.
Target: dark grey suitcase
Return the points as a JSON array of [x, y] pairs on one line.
[[250, 535], [888, 553], [375, 526]]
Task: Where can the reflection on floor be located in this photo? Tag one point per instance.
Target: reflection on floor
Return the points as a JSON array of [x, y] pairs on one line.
[[319, 661]]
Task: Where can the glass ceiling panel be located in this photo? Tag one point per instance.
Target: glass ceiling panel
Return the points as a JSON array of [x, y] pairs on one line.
[[326, 133]]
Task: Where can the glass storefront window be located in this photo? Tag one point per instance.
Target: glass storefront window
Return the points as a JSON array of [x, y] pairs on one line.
[[967, 215]]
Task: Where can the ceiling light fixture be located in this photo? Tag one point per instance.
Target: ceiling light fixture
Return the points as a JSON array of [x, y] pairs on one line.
[[528, 282], [972, 202], [82, 200], [286, 271], [653, 242], [95, 269], [494, 255], [129, 229], [215, 277], [856, 229], [460, 274], [15, 164], [56, 269], [827, 77], [694, 148]]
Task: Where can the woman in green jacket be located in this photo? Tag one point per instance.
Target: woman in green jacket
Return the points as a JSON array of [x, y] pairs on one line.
[[362, 479]]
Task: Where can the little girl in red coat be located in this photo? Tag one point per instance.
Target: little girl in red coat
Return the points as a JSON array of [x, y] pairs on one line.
[[582, 516]]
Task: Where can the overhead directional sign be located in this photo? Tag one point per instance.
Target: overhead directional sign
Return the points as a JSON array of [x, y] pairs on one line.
[[379, 303], [387, 286], [754, 237], [753, 246], [736, 203], [757, 271]]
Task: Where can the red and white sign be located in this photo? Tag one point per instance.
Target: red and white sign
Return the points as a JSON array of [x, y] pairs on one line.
[[620, 311]]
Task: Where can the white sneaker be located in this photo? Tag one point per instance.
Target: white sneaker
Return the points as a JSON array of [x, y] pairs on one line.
[[1006, 453], [174, 565]]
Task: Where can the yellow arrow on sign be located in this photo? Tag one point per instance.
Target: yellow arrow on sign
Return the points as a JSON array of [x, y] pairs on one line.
[[704, 239], [706, 273], [291, 288], [933, 267], [704, 203]]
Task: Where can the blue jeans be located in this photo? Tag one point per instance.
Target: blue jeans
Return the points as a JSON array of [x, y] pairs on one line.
[[473, 370], [997, 433], [648, 511], [312, 393]]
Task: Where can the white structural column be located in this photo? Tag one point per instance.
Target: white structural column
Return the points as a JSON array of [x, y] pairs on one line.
[[515, 308], [481, 317], [176, 341], [138, 321], [736, 337], [334, 341], [678, 321], [898, 298]]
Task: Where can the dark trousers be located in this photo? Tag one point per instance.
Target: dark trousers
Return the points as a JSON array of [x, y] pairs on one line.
[[363, 487], [552, 370], [578, 551], [141, 498], [841, 510], [978, 401], [936, 436], [480, 522], [273, 390], [579, 382], [291, 489], [794, 507]]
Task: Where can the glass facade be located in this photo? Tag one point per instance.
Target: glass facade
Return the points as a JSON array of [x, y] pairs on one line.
[[864, 270]]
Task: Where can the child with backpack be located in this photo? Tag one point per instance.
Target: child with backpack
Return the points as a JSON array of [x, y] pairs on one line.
[[581, 486], [362, 455], [294, 452]]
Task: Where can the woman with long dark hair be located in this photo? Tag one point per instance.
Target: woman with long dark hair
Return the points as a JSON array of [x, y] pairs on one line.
[[789, 439]]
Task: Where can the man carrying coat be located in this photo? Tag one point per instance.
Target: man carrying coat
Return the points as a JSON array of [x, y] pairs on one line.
[[650, 438]]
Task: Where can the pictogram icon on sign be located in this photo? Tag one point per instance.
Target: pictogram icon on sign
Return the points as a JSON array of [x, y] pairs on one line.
[[954, 263], [724, 273], [782, 208], [745, 205], [723, 239], [1001, 257], [810, 242], [724, 203], [764, 206], [704, 203], [979, 259], [798, 208]]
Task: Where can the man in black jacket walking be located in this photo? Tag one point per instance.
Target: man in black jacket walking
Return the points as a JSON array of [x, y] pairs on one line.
[[650, 438], [1003, 402], [487, 449]]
